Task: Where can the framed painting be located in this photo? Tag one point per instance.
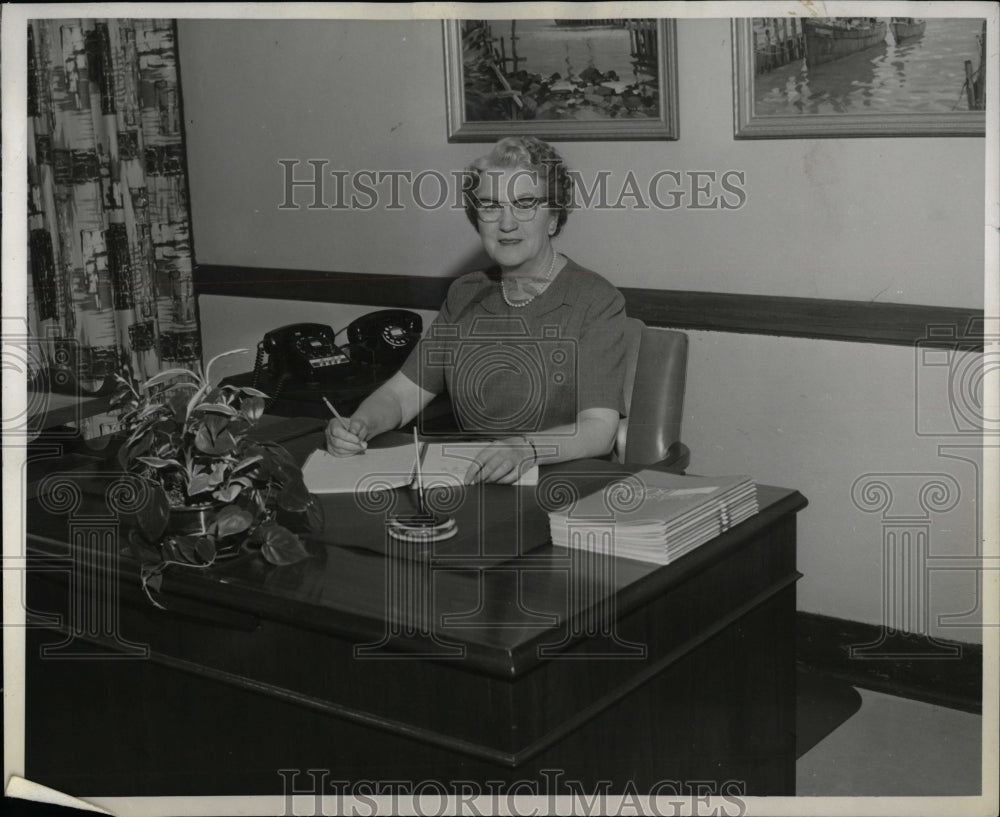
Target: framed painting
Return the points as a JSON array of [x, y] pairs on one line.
[[561, 79], [796, 77]]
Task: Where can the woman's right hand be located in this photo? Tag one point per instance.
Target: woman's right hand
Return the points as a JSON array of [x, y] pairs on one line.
[[346, 437]]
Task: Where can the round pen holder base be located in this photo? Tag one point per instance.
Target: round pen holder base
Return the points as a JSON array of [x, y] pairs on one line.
[[420, 527]]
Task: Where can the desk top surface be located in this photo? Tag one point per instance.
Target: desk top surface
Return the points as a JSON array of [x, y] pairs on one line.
[[47, 409], [520, 588]]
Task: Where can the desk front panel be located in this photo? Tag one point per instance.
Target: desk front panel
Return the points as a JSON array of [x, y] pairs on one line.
[[501, 668]]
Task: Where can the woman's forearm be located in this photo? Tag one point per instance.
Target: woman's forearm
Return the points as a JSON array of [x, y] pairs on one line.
[[380, 412], [588, 437], [391, 405]]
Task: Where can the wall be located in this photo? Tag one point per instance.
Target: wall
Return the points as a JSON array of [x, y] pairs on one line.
[[838, 218], [862, 219]]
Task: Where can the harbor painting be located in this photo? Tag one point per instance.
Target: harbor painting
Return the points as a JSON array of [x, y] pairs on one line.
[[859, 76], [561, 79]]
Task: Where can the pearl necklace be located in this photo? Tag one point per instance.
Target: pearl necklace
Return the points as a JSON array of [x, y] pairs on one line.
[[545, 280]]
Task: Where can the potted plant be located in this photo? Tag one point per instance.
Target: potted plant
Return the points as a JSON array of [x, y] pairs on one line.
[[210, 491]]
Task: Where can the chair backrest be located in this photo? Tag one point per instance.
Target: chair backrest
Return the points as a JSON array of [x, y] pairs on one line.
[[655, 376]]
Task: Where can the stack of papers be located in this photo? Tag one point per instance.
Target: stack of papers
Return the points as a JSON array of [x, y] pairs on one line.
[[653, 516], [441, 464]]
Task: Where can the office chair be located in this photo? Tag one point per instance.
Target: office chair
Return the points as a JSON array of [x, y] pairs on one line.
[[655, 375]]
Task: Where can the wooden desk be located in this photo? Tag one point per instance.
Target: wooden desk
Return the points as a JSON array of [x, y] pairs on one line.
[[603, 669], [47, 409], [345, 388]]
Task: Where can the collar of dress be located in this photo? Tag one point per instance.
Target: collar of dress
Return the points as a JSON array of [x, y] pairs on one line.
[[556, 294]]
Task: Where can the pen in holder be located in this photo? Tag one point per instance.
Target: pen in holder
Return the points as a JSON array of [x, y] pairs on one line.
[[423, 526]]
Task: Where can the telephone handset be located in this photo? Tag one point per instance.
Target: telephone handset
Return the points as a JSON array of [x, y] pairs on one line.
[[302, 350]]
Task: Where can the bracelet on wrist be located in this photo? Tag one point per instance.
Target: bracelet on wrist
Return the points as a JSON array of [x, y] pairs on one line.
[[534, 450]]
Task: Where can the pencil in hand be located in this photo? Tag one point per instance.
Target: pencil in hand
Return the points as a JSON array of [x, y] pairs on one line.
[[344, 422]]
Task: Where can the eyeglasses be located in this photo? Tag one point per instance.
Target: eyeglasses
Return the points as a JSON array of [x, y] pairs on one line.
[[523, 209]]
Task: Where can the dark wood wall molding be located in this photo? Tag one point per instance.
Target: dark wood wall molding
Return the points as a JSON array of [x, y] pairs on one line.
[[857, 321], [937, 671]]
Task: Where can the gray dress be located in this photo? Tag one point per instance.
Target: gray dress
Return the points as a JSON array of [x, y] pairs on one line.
[[518, 370]]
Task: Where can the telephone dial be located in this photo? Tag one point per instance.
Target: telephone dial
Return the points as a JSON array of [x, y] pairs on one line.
[[384, 337]]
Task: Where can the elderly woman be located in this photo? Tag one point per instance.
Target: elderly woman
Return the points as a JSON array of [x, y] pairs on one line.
[[530, 351]]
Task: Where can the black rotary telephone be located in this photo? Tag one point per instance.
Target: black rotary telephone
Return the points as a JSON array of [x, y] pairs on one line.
[[307, 354], [384, 337], [303, 351]]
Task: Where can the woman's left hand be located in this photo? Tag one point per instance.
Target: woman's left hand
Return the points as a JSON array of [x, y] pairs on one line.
[[502, 461]]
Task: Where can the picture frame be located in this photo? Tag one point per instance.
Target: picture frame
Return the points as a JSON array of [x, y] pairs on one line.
[[756, 117], [568, 108]]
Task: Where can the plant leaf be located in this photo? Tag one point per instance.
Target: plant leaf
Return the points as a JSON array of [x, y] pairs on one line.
[[280, 454], [253, 408], [151, 518], [278, 545], [135, 435], [138, 446], [208, 368], [177, 402], [232, 519], [206, 548], [294, 496], [249, 392], [167, 445], [142, 551], [200, 483], [123, 457], [216, 408], [227, 493], [204, 440], [166, 375], [178, 386], [195, 399], [150, 410], [224, 443], [158, 462], [246, 463], [186, 546], [213, 436], [171, 550]]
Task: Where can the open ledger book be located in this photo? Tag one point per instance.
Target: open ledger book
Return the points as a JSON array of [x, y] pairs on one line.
[[441, 463]]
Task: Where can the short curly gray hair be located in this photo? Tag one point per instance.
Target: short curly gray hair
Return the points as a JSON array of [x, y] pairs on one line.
[[527, 153]]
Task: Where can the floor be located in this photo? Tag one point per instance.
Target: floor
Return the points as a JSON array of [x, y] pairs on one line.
[[895, 747]]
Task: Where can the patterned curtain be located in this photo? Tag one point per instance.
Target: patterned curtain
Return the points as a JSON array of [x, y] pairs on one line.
[[109, 248]]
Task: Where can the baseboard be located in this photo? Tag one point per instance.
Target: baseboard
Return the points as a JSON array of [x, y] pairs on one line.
[[937, 671]]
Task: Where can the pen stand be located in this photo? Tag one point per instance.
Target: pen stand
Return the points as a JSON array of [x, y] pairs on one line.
[[421, 527]]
